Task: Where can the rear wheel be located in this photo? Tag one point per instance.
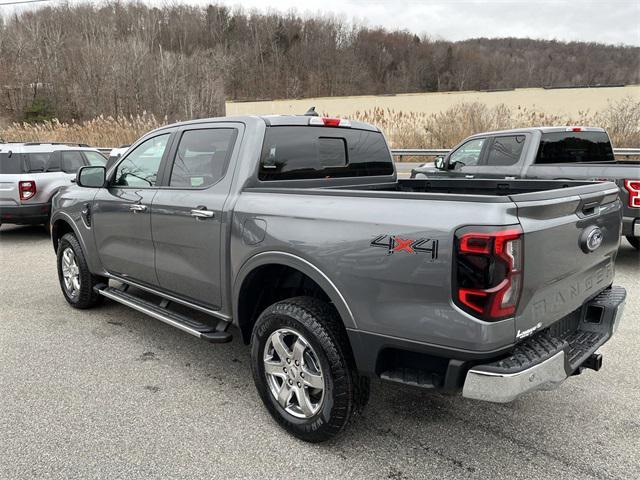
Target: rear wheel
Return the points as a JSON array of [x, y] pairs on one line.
[[76, 281], [303, 368]]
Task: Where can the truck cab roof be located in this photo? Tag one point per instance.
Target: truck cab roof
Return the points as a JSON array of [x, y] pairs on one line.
[[276, 121], [543, 129]]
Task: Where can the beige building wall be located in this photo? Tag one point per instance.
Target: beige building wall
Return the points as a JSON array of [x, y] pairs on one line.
[[565, 102]]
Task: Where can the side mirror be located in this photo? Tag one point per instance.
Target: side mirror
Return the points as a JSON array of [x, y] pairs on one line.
[[91, 177], [439, 163]]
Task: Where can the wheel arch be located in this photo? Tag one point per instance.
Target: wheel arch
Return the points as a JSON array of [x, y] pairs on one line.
[[254, 284], [62, 224], [59, 228]]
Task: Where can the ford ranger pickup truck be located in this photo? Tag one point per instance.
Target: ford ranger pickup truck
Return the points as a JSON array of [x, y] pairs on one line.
[[296, 231], [567, 153], [32, 173]]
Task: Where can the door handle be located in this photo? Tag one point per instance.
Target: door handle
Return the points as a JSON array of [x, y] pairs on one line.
[[137, 208], [202, 213], [468, 176]]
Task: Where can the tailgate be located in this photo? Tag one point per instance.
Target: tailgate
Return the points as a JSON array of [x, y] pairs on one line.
[[571, 238], [9, 195]]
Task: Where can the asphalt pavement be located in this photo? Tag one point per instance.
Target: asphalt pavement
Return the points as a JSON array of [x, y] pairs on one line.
[[111, 393]]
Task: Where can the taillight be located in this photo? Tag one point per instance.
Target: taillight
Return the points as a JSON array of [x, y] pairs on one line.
[[488, 271], [329, 122], [27, 189], [633, 187]]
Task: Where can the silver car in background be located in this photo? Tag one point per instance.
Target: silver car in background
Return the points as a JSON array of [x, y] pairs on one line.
[[32, 173]]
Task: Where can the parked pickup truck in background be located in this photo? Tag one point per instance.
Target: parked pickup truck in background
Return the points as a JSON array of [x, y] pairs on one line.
[[297, 231], [31, 173], [567, 153]]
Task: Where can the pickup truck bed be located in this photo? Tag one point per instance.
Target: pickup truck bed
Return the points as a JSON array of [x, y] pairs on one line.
[[335, 271]]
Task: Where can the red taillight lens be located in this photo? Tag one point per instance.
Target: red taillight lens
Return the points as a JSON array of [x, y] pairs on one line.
[[633, 187], [488, 272], [27, 189]]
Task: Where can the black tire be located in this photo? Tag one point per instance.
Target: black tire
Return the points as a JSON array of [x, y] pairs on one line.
[[345, 392], [634, 241], [85, 297]]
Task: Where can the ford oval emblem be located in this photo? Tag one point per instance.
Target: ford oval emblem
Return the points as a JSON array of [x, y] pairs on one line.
[[591, 239]]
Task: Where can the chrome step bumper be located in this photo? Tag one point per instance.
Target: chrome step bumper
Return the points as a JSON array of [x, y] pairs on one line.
[[544, 361]]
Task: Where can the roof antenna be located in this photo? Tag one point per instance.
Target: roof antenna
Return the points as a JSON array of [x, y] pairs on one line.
[[311, 112]]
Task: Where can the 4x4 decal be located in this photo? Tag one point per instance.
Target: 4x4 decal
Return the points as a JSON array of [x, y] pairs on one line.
[[394, 243]]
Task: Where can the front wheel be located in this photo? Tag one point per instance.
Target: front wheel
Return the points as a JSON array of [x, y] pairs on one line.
[[634, 241], [76, 281], [303, 368]]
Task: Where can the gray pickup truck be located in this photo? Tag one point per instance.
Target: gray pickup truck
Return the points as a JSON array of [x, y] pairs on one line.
[[565, 153], [297, 231]]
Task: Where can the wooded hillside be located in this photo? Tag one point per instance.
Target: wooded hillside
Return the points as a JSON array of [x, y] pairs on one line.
[[81, 61]]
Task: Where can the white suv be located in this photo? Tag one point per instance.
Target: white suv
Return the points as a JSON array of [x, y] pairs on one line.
[[31, 174]]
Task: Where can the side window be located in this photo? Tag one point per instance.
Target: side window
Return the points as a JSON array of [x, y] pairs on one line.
[[71, 161], [53, 164], [505, 151], [95, 159], [202, 157], [468, 154], [140, 167], [35, 162]]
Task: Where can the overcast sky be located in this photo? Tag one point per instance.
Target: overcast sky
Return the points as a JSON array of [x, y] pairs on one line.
[[605, 21]]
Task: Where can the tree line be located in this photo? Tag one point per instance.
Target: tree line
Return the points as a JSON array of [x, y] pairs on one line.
[[178, 61]]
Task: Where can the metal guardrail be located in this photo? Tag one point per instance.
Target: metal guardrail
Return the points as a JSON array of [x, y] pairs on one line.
[[626, 152], [434, 152]]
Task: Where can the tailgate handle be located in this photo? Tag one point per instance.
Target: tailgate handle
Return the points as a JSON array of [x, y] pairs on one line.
[[590, 208]]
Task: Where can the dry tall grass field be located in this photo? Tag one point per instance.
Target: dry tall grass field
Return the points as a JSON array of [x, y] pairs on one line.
[[404, 128]]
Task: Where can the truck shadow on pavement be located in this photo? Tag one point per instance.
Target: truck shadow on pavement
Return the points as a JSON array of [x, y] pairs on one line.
[[30, 233]]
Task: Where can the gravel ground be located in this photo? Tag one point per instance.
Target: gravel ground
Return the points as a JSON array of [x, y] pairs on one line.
[[111, 393]]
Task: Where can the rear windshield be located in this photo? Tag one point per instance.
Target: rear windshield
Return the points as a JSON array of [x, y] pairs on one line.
[[574, 147], [301, 152], [10, 165]]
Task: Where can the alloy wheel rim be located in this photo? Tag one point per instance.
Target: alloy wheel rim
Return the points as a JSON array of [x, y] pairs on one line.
[[70, 272], [293, 373]]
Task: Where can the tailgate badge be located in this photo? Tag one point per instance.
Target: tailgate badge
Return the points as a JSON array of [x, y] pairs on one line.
[[528, 332], [591, 239]]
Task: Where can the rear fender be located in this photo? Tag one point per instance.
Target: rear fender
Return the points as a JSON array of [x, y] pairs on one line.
[[304, 266]]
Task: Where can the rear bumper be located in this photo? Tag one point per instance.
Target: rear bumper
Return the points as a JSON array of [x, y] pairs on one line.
[[546, 360], [631, 226], [25, 214]]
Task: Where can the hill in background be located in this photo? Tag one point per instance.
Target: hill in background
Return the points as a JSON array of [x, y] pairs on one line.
[[80, 61]]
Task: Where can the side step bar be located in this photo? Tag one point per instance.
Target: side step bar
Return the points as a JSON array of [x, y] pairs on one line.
[[217, 334]]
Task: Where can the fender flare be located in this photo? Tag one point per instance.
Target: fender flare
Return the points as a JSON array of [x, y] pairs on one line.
[[68, 220], [304, 266]]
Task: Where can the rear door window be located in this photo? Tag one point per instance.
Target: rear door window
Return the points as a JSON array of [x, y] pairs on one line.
[[202, 157], [301, 152], [505, 151], [35, 162], [574, 147], [72, 161]]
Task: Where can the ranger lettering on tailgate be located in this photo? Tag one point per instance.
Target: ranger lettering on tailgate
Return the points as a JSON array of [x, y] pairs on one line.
[[556, 300]]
